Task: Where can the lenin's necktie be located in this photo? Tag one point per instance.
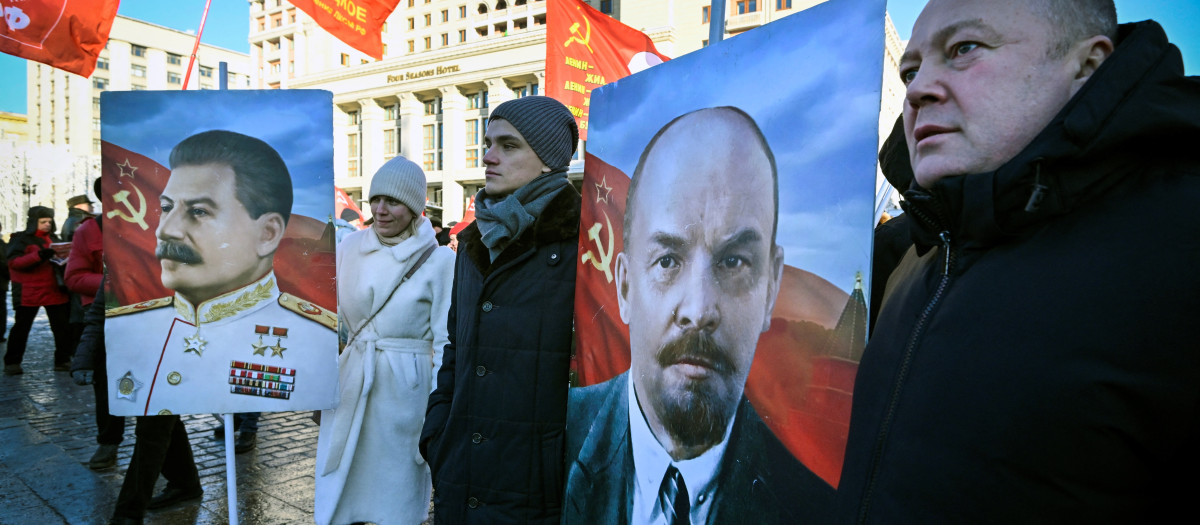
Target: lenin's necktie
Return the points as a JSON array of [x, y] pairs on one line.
[[673, 498]]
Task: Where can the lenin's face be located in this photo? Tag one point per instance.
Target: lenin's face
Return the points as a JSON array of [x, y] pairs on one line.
[[699, 276], [207, 242]]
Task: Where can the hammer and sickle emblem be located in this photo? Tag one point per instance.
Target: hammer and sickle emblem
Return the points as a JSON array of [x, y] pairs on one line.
[[135, 215], [582, 38], [604, 261]]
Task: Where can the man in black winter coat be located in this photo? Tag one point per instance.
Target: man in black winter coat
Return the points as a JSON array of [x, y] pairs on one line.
[[493, 432], [1035, 360]]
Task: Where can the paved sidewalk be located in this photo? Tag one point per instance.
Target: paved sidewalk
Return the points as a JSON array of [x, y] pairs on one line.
[[47, 435]]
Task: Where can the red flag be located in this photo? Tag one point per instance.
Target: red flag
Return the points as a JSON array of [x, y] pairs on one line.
[[603, 346], [467, 219], [66, 34], [131, 185], [344, 208], [358, 23], [586, 49]]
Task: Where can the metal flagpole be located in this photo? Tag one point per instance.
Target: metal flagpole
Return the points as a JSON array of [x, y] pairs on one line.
[[716, 22]]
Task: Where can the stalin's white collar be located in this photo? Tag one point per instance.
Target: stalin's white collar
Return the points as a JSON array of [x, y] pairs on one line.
[[244, 299]]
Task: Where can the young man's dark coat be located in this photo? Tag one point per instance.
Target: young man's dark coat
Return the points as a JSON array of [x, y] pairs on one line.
[[493, 432]]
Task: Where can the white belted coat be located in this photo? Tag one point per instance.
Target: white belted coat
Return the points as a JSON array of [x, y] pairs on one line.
[[368, 466]]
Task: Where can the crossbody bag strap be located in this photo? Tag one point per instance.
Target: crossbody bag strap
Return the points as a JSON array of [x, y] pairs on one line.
[[420, 261]]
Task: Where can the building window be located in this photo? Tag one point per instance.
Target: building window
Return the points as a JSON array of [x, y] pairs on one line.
[[364, 61], [432, 140], [174, 78], [428, 42], [206, 71], [391, 112], [138, 71], [412, 46], [101, 63], [137, 51], [385, 27], [445, 15], [345, 59], [277, 21], [783, 4], [352, 117], [462, 11], [433, 106], [462, 35], [746, 6], [445, 39], [411, 2], [705, 12], [526, 90], [389, 143], [606, 7], [96, 124], [136, 87], [501, 4], [473, 132], [477, 100], [262, 24], [352, 154], [385, 50], [100, 83], [174, 60], [412, 23], [96, 146], [96, 104], [292, 18], [428, 19], [275, 46], [275, 67]]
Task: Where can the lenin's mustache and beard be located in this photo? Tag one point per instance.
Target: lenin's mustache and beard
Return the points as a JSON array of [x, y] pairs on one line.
[[177, 252], [697, 412]]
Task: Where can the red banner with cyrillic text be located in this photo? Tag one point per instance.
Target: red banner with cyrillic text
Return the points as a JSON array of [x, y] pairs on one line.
[[586, 49], [358, 23], [66, 34]]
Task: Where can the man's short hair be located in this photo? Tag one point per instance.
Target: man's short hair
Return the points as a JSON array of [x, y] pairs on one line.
[[1078, 20], [637, 172], [261, 179]]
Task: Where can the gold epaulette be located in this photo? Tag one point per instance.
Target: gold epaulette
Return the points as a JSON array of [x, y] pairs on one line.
[[139, 307], [309, 310]]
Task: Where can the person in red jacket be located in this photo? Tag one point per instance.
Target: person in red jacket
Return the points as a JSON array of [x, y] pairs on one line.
[[35, 285]]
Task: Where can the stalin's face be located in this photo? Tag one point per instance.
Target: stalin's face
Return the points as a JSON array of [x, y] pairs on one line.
[[207, 242]]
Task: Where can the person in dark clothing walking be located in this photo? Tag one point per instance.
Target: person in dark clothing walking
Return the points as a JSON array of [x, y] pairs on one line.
[[161, 445], [35, 285], [79, 209], [494, 429], [1035, 360]]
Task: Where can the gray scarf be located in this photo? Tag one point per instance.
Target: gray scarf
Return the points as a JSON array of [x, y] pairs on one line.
[[501, 221]]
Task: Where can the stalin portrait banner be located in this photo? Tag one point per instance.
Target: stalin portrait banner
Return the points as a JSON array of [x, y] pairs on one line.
[[725, 243], [219, 251]]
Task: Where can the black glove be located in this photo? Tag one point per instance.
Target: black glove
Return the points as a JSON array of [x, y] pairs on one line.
[[46, 253], [82, 377]]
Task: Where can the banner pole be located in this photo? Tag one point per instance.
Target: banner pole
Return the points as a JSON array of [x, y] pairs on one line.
[[192, 61], [716, 22], [230, 471]]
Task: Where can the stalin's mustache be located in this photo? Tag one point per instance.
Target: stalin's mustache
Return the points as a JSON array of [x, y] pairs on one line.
[[177, 252]]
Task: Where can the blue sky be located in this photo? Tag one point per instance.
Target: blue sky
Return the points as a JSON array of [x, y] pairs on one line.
[[825, 152], [297, 123], [228, 26]]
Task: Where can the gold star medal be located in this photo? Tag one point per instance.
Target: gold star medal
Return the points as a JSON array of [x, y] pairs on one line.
[[278, 348], [259, 347], [195, 344]]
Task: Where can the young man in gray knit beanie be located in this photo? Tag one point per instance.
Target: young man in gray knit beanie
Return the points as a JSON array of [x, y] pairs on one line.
[[495, 424]]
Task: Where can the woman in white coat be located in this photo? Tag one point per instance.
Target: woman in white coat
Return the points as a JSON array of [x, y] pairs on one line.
[[394, 287]]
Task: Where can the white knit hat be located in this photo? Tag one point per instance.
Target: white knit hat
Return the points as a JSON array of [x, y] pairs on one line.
[[403, 180]]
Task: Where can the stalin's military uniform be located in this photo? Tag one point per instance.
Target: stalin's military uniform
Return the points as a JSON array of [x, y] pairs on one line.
[[250, 350]]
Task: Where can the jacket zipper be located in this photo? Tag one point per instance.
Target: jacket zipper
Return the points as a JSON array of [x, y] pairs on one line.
[[909, 350]]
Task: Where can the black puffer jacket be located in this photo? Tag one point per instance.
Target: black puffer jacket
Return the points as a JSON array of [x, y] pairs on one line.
[[493, 433], [1040, 364]]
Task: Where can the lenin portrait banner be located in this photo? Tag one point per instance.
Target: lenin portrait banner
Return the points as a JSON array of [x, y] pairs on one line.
[[724, 255], [219, 251]]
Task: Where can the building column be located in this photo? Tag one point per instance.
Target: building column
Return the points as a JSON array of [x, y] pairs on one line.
[[371, 138], [454, 138], [498, 92]]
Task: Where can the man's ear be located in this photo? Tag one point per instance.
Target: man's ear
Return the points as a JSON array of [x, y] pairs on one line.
[[775, 283], [621, 279], [271, 228], [1087, 56]]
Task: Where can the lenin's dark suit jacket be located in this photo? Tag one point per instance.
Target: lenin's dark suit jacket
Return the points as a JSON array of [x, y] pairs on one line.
[[759, 480]]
